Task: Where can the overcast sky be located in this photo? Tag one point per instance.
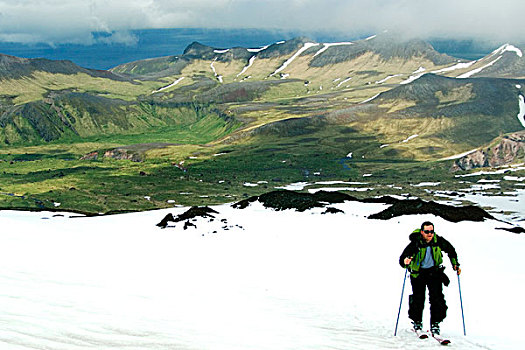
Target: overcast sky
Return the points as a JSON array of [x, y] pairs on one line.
[[73, 21]]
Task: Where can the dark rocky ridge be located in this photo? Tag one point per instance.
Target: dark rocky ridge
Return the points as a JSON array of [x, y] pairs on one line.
[[282, 200], [447, 212]]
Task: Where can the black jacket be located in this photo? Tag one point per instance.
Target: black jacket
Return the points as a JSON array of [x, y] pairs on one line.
[[416, 250]]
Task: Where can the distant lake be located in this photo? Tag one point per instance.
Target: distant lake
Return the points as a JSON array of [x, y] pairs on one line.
[[166, 42]]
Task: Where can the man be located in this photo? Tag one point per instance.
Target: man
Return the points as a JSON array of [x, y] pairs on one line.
[[423, 257]]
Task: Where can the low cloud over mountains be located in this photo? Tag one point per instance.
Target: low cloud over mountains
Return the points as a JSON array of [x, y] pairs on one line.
[[74, 21]]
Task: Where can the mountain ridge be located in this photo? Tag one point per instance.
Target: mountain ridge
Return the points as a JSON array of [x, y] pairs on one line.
[[386, 71], [12, 67]]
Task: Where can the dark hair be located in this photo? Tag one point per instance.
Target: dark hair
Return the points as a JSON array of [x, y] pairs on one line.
[[426, 223]]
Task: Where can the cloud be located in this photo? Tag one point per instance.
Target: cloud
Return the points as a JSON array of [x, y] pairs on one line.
[[74, 21]]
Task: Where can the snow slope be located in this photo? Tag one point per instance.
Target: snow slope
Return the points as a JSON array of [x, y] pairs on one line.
[[263, 280]]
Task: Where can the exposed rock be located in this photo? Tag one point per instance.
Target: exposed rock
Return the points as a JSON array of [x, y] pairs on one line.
[[509, 150], [281, 200], [516, 229], [164, 222], [332, 210], [194, 212], [90, 156], [447, 212], [121, 154], [133, 152], [191, 213], [189, 224]]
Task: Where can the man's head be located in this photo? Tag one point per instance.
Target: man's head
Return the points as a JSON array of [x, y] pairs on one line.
[[427, 231]]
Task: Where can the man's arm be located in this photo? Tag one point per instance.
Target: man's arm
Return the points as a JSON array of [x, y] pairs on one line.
[[447, 247], [408, 252]]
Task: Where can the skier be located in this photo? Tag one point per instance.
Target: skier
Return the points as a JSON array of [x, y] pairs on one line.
[[423, 257]]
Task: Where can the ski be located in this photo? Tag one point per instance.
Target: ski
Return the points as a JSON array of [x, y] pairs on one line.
[[420, 333], [440, 339]]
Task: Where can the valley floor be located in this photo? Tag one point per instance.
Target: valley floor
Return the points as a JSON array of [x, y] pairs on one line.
[[248, 279]]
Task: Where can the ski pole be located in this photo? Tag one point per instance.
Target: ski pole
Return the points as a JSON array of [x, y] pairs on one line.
[[401, 302], [461, 302]]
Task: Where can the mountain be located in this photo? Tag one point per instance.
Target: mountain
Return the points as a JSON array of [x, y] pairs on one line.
[[445, 113], [331, 65], [505, 62], [379, 87], [15, 67]]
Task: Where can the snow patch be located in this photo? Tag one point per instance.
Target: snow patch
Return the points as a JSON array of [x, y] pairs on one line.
[[297, 186], [168, 86], [521, 114], [388, 78], [512, 168], [340, 189], [369, 99], [461, 155], [326, 46], [477, 70], [221, 51], [510, 48], [514, 178], [259, 49], [425, 184], [219, 77], [250, 63], [409, 138], [340, 183], [411, 79], [344, 81], [461, 65], [305, 47]]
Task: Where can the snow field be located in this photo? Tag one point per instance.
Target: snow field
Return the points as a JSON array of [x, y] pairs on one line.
[[273, 280]]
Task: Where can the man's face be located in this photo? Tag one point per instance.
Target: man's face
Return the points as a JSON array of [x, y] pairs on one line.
[[428, 233]]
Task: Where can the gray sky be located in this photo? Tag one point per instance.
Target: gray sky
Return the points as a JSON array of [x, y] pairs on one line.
[[73, 21]]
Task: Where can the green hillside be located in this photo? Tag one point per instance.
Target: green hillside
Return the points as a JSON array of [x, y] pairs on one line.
[[215, 125]]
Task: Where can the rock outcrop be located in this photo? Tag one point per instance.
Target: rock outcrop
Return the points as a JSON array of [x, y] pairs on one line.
[[193, 212], [281, 200], [510, 149], [447, 212]]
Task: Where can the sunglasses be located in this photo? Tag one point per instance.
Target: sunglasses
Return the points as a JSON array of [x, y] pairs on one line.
[[429, 231]]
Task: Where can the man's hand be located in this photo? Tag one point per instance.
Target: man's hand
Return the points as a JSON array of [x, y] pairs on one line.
[[457, 269], [407, 261]]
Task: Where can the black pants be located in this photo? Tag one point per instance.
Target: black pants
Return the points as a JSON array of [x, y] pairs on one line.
[[431, 279]]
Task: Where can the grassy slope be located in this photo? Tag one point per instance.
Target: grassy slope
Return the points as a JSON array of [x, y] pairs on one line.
[[34, 88]]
